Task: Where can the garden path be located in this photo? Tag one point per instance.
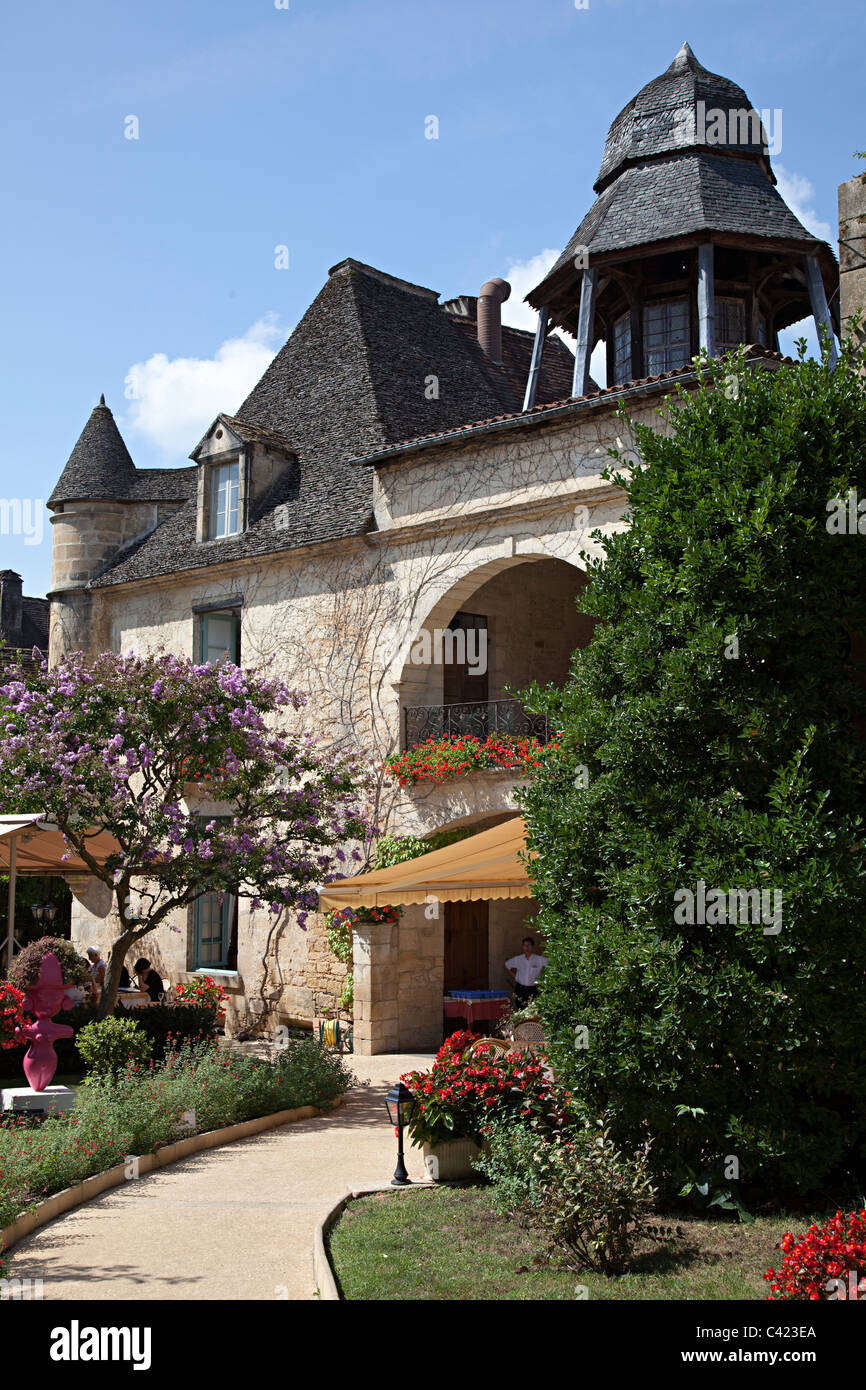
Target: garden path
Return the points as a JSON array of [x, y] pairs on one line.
[[231, 1223]]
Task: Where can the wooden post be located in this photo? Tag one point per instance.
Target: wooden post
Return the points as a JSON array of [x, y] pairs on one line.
[[535, 364], [585, 324], [818, 300], [706, 300], [10, 921]]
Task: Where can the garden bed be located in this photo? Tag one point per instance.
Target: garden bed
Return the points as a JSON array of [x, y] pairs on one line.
[[450, 1244], [194, 1091]]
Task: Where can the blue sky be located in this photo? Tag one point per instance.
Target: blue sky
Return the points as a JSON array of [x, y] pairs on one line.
[[148, 265]]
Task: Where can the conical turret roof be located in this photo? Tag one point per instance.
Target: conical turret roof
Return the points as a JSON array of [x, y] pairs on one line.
[[99, 465], [666, 117]]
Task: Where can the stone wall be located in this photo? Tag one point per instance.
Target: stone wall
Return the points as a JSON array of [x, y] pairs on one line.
[[852, 246]]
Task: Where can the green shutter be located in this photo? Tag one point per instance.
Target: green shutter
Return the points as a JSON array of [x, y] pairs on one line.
[[219, 637]]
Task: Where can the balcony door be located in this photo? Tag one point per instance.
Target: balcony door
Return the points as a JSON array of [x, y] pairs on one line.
[[466, 946], [465, 676]]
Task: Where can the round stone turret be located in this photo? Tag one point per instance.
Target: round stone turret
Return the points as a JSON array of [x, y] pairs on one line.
[[89, 524]]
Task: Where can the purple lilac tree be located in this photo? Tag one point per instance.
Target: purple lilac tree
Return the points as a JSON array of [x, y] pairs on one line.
[[113, 744]]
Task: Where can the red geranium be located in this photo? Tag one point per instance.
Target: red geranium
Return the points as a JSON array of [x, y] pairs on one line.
[[439, 759], [828, 1262], [461, 1093], [12, 1017]]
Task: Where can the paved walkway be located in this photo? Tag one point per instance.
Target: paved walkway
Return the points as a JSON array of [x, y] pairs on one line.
[[231, 1223]]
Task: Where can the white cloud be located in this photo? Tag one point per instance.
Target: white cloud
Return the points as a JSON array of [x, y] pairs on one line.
[[174, 399], [523, 276], [799, 193]]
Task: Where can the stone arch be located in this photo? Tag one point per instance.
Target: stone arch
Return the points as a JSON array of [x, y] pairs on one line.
[[545, 597]]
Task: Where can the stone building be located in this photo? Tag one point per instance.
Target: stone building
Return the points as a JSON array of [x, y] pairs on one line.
[[408, 467], [23, 620]]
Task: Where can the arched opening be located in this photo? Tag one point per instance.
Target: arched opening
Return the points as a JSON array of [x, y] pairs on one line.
[[499, 629]]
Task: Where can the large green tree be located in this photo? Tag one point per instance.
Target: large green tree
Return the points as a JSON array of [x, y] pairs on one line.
[[719, 716]]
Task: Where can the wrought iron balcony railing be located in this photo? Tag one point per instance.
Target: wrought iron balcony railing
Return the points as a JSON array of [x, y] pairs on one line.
[[474, 718]]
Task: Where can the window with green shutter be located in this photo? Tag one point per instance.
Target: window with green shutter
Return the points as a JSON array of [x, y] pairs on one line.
[[220, 637], [216, 932], [216, 927]]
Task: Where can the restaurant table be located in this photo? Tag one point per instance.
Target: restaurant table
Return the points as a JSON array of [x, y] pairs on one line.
[[133, 998], [475, 1009]]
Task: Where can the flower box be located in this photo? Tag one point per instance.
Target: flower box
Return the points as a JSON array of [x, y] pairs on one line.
[[451, 1160]]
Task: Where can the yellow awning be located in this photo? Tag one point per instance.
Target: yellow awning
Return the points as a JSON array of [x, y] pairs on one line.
[[486, 865], [40, 847]]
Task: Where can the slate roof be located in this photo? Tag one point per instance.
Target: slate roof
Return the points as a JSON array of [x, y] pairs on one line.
[[100, 466], [660, 178], [350, 380], [664, 117], [34, 623], [597, 396], [251, 434], [680, 194]]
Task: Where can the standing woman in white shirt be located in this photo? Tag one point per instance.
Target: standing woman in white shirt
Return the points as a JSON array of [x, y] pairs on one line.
[[525, 970]]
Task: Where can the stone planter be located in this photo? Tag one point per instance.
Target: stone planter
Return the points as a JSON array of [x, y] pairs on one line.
[[451, 1160]]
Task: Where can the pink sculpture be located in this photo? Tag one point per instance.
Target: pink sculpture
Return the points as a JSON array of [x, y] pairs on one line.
[[44, 999]]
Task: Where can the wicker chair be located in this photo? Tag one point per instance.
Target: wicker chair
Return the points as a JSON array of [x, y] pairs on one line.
[[497, 1045], [528, 1036]]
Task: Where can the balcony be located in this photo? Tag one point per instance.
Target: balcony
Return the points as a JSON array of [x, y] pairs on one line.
[[475, 719]]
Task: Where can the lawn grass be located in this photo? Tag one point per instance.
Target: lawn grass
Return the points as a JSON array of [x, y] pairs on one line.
[[450, 1243]]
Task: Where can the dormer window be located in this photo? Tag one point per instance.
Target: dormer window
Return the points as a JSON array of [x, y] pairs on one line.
[[239, 469], [224, 500]]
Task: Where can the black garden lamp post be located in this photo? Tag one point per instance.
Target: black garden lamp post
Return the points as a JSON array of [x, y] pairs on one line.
[[400, 1104]]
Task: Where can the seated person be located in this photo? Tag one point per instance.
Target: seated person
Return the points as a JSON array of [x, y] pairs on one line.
[[125, 981], [149, 979]]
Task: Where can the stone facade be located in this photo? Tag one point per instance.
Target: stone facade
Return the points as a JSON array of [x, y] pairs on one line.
[[497, 528], [852, 247]]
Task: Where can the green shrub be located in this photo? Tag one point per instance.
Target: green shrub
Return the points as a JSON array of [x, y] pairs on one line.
[[167, 1026], [170, 1025], [508, 1162], [712, 731], [110, 1045], [589, 1200], [397, 849]]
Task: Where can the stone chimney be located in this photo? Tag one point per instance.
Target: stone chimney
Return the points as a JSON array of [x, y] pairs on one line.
[[11, 609], [852, 249], [491, 297]]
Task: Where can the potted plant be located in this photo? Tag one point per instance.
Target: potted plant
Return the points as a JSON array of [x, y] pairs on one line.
[[204, 991], [26, 966], [462, 1092]]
